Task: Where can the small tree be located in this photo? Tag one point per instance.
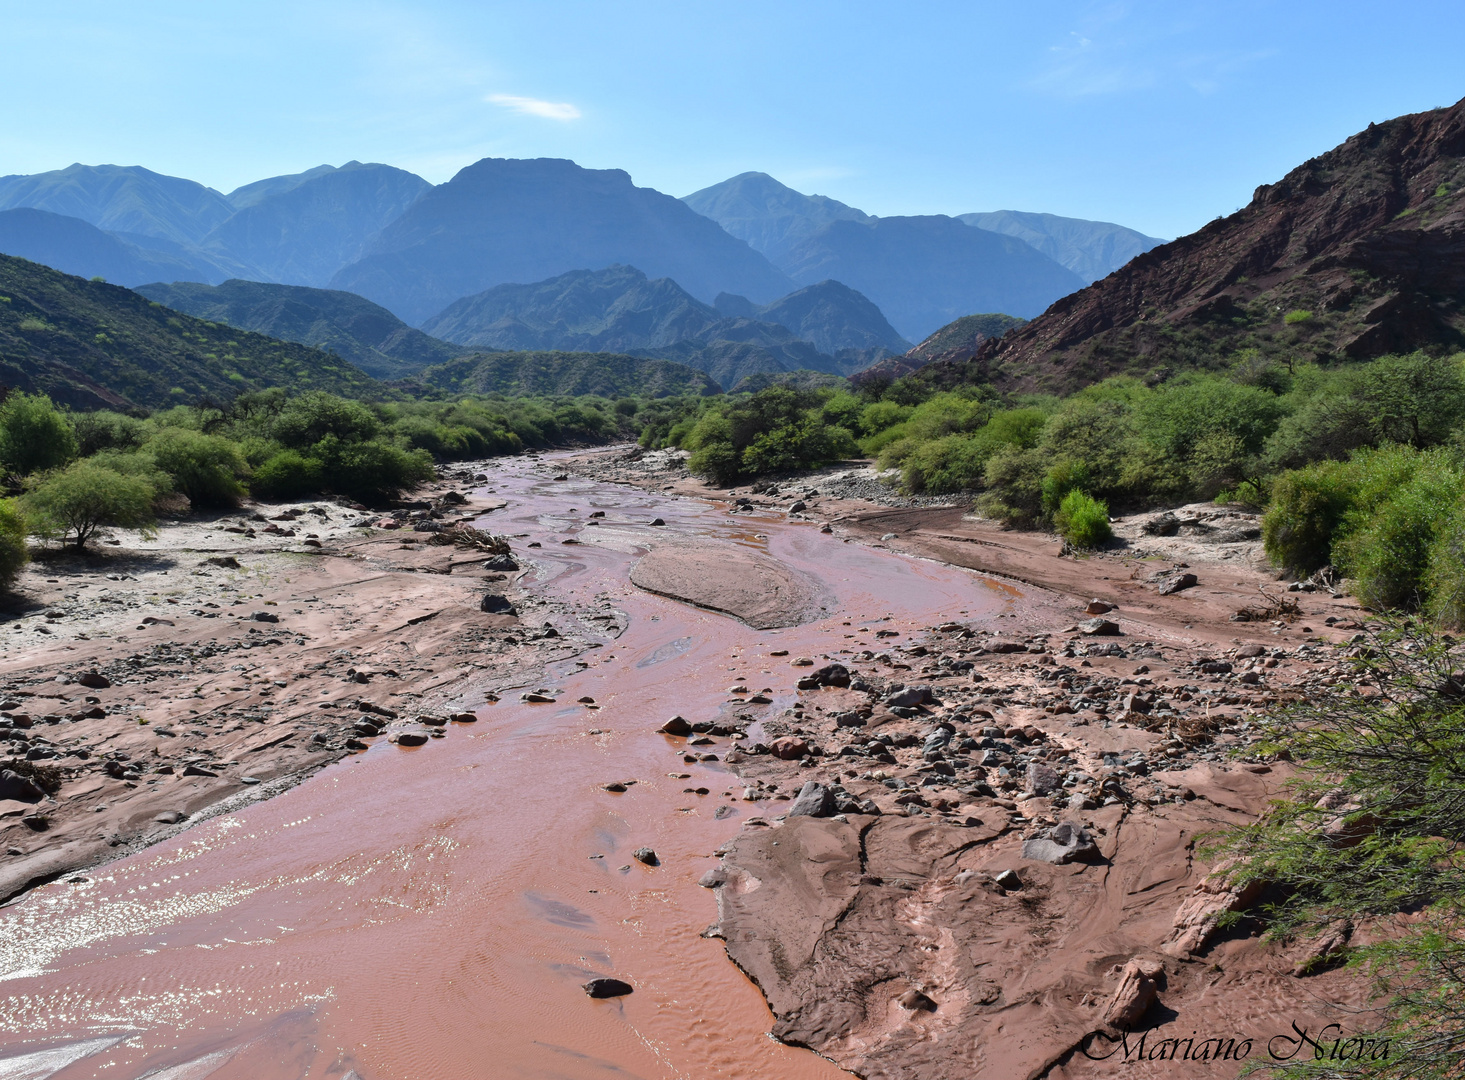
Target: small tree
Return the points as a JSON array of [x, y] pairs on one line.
[[1373, 827], [85, 497], [206, 468], [34, 434], [13, 553]]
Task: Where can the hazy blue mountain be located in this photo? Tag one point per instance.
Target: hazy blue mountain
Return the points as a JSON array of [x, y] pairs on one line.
[[771, 217], [1091, 249], [619, 309], [923, 272], [503, 220], [369, 336], [304, 233], [835, 318], [73, 246], [121, 198], [534, 374], [249, 194]]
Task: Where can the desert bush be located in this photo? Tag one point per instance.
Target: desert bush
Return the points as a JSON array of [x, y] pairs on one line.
[[288, 474], [107, 430], [1083, 521], [1444, 576], [13, 551], [1306, 509], [209, 469], [34, 434], [84, 498]]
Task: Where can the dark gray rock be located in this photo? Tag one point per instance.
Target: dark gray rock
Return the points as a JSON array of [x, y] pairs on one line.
[[814, 800], [20, 788], [504, 563], [1175, 582], [1099, 627], [1043, 779], [713, 879], [1063, 843], [494, 604], [646, 855], [94, 681], [607, 988], [265, 616]]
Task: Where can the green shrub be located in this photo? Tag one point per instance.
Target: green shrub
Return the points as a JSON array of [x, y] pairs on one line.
[[13, 551], [85, 497], [1444, 577], [34, 434], [106, 430], [1297, 316], [311, 417], [1306, 509], [1064, 477], [1083, 521], [287, 475], [372, 470], [209, 469], [1014, 478]]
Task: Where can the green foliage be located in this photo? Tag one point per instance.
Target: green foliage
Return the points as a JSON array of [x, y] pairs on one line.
[[1297, 317], [34, 434], [106, 430], [13, 552], [776, 429], [287, 475], [1369, 830], [1082, 521], [84, 498], [1307, 508], [209, 469]]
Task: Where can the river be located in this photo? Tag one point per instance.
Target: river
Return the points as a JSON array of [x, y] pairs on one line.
[[432, 913]]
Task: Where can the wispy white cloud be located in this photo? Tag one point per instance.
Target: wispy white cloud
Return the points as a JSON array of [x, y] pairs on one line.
[[528, 106]]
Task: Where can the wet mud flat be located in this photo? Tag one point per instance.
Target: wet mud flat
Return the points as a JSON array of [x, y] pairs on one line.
[[420, 910]]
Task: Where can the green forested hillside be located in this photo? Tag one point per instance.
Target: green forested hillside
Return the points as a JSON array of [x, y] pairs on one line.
[[565, 374], [91, 345]]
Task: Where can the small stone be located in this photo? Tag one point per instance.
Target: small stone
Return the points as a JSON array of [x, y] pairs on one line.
[[607, 988], [265, 616], [465, 718], [1099, 607], [657, 522], [1135, 993], [1008, 880], [410, 738], [713, 879], [789, 748], [916, 1001], [1060, 845], [94, 681], [646, 855], [1099, 628], [614, 785], [1043, 779], [1173, 584], [196, 770]]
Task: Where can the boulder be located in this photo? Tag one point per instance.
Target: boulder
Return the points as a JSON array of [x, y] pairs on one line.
[[607, 988], [814, 800], [713, 879], [93, 681], [909, 698], [1062, 844], [17, 787], [1175, 582], [494, 604], [1005, 647], [265, 616], [916, 1001], [410, 738], [1138, 986], [676, 726], [1043, 779], [1099, 627], [646, 856], [1099, 607], [1008, 880], [170, 817], [789, 748], [504, 563], [833, 675]]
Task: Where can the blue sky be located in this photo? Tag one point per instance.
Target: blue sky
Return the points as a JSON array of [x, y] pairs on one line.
[[1158, 115]]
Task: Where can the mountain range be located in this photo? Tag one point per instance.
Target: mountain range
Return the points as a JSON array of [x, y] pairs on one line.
[[1353, 254]]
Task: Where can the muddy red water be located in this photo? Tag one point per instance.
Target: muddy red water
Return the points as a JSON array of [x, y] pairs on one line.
[[433, 913]]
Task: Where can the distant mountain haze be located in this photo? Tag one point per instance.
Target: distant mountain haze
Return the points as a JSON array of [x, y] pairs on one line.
[[1091, 249], [249, 194], [770, 216], [76, 247], [301, 234], [923, 272], [504, 221], [122, 198], [354, 328], [533, 374], [619, 309]]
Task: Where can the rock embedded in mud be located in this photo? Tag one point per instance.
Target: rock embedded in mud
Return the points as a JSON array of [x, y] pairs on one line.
[[658, 522], [93, 681], [646, 856], [607, 988], [1172, 584], [1008, 880], [713, 879], [916, 1001], [1099, 627], [813, 800], [1062, 844], [676, 726], [1138, 986], [789, 748], [265, 616], [1043, 779], [410, 738]]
